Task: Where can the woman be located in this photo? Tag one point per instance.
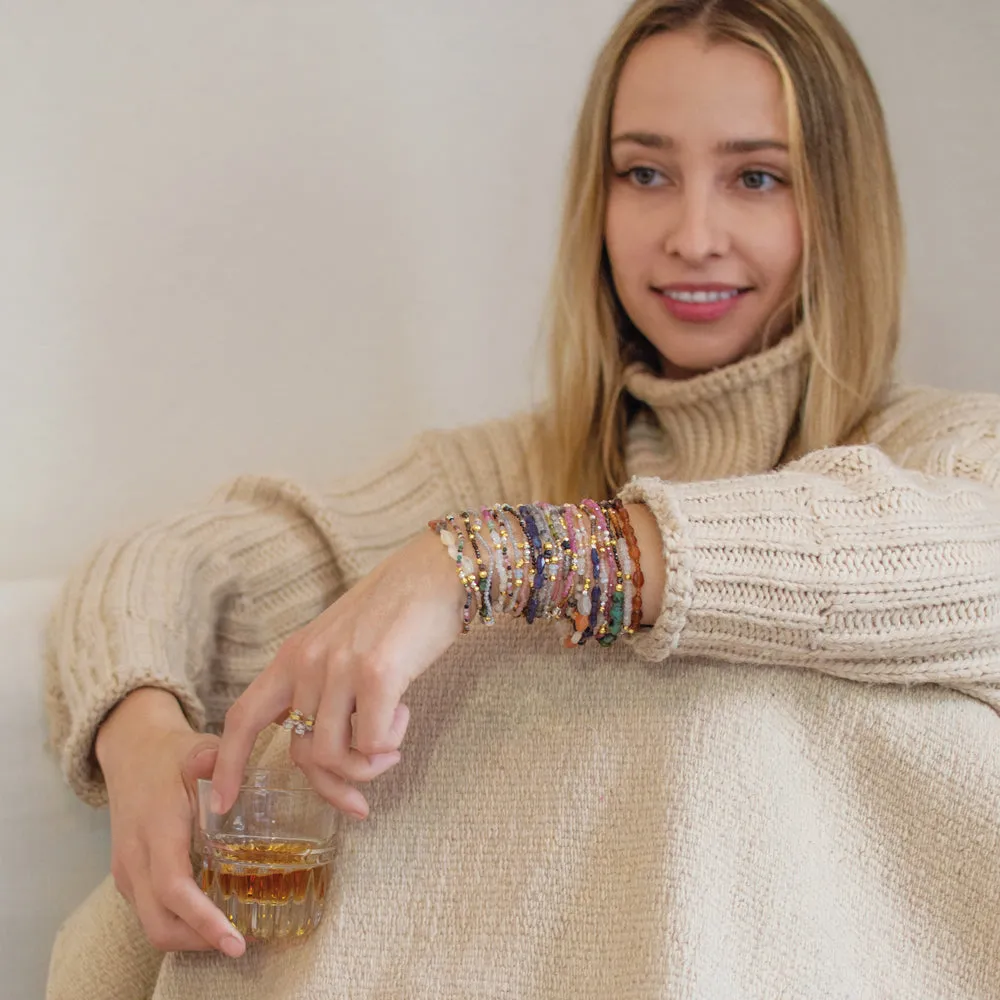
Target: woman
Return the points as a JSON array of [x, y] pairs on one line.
[[784, 784]]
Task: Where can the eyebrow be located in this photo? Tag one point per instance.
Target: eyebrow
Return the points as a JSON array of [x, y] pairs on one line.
[[728, 147]]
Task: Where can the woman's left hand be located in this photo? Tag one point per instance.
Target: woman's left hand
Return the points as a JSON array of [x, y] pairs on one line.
[[349, 670]]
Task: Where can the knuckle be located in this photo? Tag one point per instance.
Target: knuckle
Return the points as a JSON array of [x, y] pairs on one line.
[[170, 892], [375, 680], [371, 746], [372, 669], [327, 758], [355, 772], [125, 849], [160, 935], [312, 653]]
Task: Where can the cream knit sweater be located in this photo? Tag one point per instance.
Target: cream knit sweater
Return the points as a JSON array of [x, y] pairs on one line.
[[789, 787]]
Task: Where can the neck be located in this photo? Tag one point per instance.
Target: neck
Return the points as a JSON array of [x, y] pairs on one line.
[[734, 421]]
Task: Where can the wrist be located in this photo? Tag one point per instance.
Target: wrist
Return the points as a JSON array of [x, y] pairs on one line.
[[139, 715], [650, 542], [450, 575]]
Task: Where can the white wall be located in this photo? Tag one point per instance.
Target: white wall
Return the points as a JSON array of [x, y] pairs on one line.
[[241, 235]]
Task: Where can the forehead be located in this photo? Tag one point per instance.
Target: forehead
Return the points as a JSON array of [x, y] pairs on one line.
[[680, 84]]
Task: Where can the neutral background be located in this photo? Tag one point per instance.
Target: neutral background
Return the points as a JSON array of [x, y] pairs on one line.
[[252, 235]]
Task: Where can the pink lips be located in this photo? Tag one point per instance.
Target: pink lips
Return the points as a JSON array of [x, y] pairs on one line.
[[701, 312]]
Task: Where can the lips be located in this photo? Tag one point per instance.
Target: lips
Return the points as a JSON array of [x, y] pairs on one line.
[[705, 303]]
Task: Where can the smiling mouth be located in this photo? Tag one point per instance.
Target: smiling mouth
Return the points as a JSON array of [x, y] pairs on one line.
[[702, 297]]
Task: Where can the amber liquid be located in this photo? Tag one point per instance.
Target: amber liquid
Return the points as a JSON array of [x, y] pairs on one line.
[[269, 889]]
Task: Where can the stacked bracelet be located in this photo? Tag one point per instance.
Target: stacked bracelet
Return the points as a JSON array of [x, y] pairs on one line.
[[573, 562]]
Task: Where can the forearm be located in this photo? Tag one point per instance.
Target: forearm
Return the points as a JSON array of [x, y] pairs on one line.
[[843, 563], [146, 613]]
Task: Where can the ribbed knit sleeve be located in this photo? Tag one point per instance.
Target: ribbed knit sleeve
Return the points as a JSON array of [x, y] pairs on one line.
[[197, 604], [872, 563]]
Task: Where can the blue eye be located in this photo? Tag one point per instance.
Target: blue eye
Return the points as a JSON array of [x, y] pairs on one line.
[[643, 177], [760, 180]]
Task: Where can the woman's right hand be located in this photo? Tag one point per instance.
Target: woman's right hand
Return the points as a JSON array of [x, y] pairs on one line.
[[150, 757]]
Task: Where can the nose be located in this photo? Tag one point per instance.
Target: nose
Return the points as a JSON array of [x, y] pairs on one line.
[[696, 232]]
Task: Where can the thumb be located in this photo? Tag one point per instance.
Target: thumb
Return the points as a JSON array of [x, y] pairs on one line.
[[200, 760]]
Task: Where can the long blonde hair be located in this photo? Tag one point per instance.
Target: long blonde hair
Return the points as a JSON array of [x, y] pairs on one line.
[[852, 267]]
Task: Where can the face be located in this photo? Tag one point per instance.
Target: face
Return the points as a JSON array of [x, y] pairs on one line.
[[702, 230]]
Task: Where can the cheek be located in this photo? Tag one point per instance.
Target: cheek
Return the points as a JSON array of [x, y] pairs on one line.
[[627, 240], [776, 247]]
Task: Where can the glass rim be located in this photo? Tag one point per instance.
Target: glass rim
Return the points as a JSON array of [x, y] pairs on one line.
[[271, 779]]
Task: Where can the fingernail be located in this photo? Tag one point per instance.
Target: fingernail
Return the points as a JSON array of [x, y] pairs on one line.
[[378, 759], [233, 945], [204, 754], [217, 803]]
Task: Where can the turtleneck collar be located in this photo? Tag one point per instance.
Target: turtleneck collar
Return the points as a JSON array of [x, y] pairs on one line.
[[733, 421]]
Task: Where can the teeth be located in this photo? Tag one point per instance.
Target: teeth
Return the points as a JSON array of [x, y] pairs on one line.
[[701, 297]]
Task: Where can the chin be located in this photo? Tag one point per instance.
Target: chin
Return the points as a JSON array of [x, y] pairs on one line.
[[696, 354]]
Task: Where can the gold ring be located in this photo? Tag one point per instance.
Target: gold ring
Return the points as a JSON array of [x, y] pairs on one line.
[[299, 723]]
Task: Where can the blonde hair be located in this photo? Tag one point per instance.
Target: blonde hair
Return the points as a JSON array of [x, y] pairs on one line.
[[849, 289]]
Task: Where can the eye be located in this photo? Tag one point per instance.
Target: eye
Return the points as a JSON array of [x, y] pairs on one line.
[[760, 180], [643, 177]]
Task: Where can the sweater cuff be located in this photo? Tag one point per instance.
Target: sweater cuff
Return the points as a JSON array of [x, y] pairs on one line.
[[726, 549], [664, 637], [77, 758]]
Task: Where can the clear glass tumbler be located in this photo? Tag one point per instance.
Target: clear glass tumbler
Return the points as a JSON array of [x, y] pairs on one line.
[[266, 862]]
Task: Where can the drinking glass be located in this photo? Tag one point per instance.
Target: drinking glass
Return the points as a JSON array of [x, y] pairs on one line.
[[266, 862]]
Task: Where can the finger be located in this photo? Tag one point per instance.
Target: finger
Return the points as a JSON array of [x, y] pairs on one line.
[[325, 748], [400, 723], [179, 894], [164, 930], [355, 769], [309, 680], [337, 792], [268, 694], [195, 910], [379, 690], [331, 738], [200, 762]]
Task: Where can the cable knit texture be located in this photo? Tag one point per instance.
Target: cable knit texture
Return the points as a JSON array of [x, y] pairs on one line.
[[789, 786]]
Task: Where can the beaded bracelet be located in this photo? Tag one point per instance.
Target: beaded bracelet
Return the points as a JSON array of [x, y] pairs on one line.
[[515, 566], [578, 562], [524, 566], [616, 614], [637, 578], [454, 541], [607, 572]]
